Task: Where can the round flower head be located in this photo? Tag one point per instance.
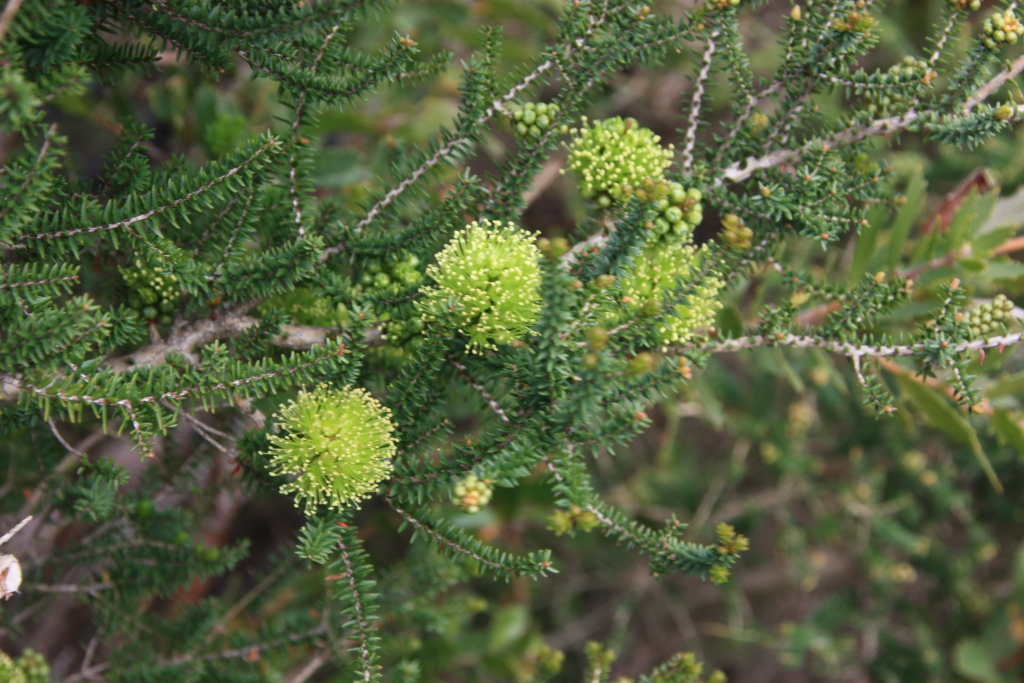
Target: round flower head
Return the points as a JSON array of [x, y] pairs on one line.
[[491, 273], [656, 273], [614, 156], [339, 444]]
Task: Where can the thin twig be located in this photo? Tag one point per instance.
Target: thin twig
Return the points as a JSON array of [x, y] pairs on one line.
[[7, 17], [17, 527]]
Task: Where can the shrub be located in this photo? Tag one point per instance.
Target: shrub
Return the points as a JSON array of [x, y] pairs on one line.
[[270, 237]]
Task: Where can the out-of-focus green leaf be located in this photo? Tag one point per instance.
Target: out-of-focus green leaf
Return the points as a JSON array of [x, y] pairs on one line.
[[509, 624], [339, 168], [865, 245], [1005, 270], [974, 660], [1010, 384], [1009, 430], [905, 218], [936, 409], [730, 324], [964, 220], [992, 239]]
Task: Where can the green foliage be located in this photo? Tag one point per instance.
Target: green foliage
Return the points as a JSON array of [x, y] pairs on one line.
[[324, 280]]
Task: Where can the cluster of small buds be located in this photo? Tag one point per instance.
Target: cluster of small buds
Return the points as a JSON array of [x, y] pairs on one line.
[[487, 283], [30, 667], [472, 493], [735, 234], [536, 119], [566, 521], [35, 666], [679, 209], [153, 294], [964, 5], [553, 248], [403, 331], [884, 104], [615, 156], [1002, 28], [856, 20], [758, 122], [1004, 111], [799, 419], [990, 318], [722, 4], [892, 572], [379, 276], [730, 542]]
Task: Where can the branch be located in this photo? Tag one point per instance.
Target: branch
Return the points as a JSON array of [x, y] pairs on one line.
[[741, 170], [850, 350], [146, 215], [226, 325]]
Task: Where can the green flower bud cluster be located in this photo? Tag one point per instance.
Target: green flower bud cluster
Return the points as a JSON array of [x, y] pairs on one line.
[[535, 119], [471, 493], [403, 330], [722, 4], [679, 209], [338, 444], [1002, 29], [381, 275], [153, 294], [656, 273], [487, 280], [307, 307], [566, 521], [963, 5], [615, 156], [990, 319], [30, 667], [883, 104], [735, 234]]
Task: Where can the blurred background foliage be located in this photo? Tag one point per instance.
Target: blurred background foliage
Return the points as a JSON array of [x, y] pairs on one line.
[[880, 548]]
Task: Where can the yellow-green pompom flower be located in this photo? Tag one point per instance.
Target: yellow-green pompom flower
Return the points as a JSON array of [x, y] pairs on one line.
[[339, 446], [487, 279], [615, 156], [656, 273]]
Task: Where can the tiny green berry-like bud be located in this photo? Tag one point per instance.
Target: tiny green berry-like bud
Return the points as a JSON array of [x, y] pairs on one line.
[[604, 281], [338, 445], [1004, 112], [718, 575], [597, 337], [641, 363]]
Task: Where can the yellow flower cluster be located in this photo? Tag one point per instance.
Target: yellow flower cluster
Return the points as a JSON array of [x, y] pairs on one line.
[[339, 446], [656, 273], [615, 156], [487, 279]]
